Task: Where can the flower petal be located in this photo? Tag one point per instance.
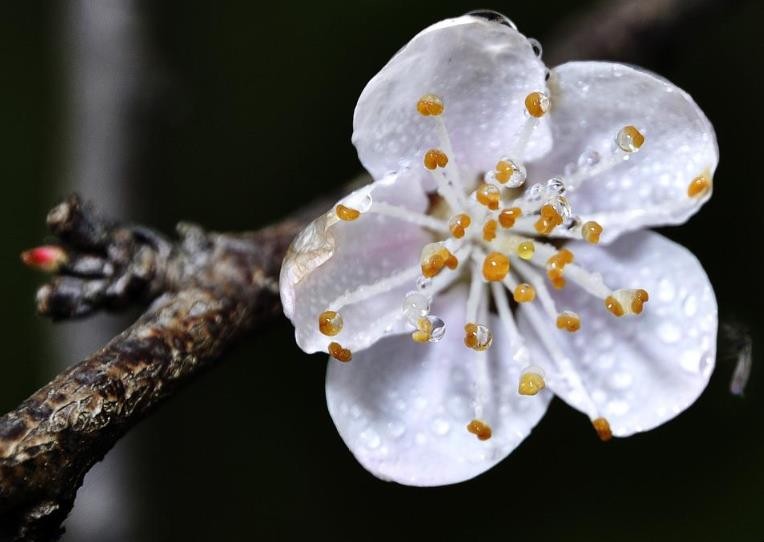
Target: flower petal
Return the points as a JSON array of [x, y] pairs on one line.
[[591, 103], [638, 371], [402, 408], [483, 70], [330, 258]]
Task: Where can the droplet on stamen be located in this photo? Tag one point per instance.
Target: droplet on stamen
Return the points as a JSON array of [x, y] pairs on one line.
[[549, 219], [524, 293], [488, 195], [629, 139], [416, 305], [478, 337], [537, 104], [339, 353], [434, 258], [430, 105], [459, 224], [591, 232], [480, 429], [509, 172], [526, 250], [330, 323], [495, 267]]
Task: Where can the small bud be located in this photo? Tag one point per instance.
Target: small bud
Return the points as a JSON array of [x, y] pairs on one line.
[[48, 258]]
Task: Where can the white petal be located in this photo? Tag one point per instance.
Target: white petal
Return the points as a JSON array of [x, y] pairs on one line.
[[639, 371], [482, 70], [330, 258], [402, 408], [591, 102]]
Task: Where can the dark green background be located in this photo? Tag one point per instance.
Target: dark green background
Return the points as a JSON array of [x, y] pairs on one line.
[[247, 117]]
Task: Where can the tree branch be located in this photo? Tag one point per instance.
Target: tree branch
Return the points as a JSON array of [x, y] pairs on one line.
[[208, 289]]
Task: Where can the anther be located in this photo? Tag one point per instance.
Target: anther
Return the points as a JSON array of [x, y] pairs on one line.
[[346, 213], [435, 158], [339, 353], [430, 105], [531, 381], [507, 217], [602, 427], [423, 331], [478, 337], [505, 169], [434, 258], [489, 230], [555, 266], [537, 103], [524, 293], [591, 232], [330, 323], [614, 306], [629, 139], [626, 301], [569, 321], [495, 266], [526, 250], [488, 195], [480, 429], [548, 220], [699, 186], [459, 224]]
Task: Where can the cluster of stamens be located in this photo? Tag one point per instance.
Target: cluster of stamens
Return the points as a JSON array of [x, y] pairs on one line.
[[539, 211]]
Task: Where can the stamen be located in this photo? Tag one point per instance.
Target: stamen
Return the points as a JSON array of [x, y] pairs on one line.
[[478, 337], [489, 230], [699, 186], [330, 323], [429, 329], [569, 321], [339, 353], [434, 257], [537, 104], [524, 293], [625, 301], [509, 173], [591, 232], [507, 217], [430, 105], [526, 250], [488, 195], [602, 427], [435, 158], [548, 220], [629, 139], [591, 282], [407, 215], [459, 224], [346, 213], [555, 266], [495, 267], [480, 429], [531, 381]]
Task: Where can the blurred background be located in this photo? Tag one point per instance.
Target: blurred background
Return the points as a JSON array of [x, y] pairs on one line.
[[231, 115]]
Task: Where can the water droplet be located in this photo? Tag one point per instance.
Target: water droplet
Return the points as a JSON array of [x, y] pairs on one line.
[[360, 200], [562, 206], [536, 45], [423, 283], [494, 16], [440, 426], [438, 329], [534, 193], [415, 306], [555, 187], [588, 159]]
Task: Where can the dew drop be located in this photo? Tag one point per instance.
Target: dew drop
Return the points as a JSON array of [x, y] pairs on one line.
[[588, 159], [555, 187], [536, 45], [493, 16], [423, 283], [415, 306], [438, 329]]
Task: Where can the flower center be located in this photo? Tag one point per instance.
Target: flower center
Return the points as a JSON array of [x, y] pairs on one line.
[[495, 238]]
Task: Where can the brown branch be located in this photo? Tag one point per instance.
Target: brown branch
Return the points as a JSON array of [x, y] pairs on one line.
[[211, 289]]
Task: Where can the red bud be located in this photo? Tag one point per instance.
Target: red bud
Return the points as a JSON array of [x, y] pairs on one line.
[[48, 258]]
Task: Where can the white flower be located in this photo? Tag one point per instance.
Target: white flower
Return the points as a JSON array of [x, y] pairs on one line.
[[448, 234]]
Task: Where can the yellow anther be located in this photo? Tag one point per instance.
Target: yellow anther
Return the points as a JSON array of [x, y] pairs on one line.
[[548, 220], [508, 217], [555, 266], [526, 250], [638, 300], [524, 293], [602, 427], [339, 353], [591, 232], [346, 213], [488, 195], [495, 266], [430, 105], [478, 337], [699, 186], [459, 224], [489, 230], [480, 429], [435, 158], [569, 321], [537, 103], [531, 383], [614, 306], [629, 139], [423, 331], [330, 323], [504, 171], [434, 258]]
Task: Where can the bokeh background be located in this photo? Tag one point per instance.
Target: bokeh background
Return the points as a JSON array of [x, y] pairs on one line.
[[232, 114]]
